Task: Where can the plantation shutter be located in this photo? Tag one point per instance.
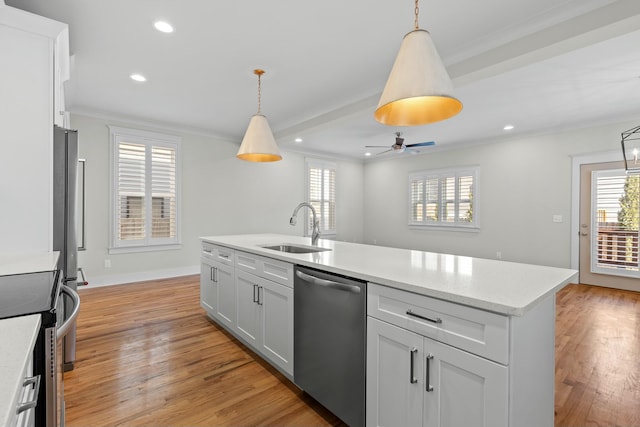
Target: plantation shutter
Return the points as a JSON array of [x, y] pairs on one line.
[[321, 178], [163, 188], [144, 192], [131, 191], [442, 197]]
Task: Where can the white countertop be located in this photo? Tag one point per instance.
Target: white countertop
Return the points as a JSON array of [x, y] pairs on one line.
[[17, 338], [503, 287], [18, 263]]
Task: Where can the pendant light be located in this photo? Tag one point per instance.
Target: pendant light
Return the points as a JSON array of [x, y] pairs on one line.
[[419, 90], [258, 144]]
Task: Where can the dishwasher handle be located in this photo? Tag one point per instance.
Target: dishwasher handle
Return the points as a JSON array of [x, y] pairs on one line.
[[66, 326], [328, 283]]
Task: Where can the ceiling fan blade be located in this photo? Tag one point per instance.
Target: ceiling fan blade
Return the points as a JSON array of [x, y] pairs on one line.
[[421, 144], [386, 151], [376, 146]]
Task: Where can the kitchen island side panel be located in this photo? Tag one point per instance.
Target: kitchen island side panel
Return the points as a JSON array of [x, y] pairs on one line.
[[532, 366]]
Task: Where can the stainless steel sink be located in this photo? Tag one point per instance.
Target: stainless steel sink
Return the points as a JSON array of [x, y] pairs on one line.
[[295, 249]]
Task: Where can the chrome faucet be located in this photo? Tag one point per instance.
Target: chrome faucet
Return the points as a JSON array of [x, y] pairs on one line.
[[315, 234]]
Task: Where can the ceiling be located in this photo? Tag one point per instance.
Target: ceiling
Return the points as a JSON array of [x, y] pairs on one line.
[[540, 65]]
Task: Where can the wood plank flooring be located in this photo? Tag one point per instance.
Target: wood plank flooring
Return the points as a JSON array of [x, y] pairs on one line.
[[597, 357], [149, 356]]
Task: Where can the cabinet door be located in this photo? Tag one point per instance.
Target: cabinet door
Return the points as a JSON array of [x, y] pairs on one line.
[[277, 324], [394, 376], [461, 389], [248, 314], [226, 280], [208, 287]]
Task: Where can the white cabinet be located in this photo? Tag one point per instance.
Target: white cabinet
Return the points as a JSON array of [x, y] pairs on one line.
[[436, 363], [208, 287], [265, 318], [218, 283], [31, 48], [394, 395], [252, 297], [417, 381]]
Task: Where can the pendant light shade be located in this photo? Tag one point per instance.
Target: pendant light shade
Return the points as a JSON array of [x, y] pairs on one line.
[[258, 144], [419, 90]]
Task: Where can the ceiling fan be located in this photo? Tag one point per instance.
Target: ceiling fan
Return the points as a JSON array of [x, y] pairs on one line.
[[400, 146]]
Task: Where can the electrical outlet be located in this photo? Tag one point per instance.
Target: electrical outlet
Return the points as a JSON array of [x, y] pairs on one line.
[[107, 263], [498, 255], [557, 218]]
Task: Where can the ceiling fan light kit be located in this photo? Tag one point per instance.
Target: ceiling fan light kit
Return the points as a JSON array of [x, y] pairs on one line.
[[258, 144], [419, 90]]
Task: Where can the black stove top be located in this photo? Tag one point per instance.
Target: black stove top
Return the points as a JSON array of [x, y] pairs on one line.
[[30, 293]]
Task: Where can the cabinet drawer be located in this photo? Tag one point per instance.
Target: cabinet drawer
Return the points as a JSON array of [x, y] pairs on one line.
[[268, 268], [218, 253], [476, 331]]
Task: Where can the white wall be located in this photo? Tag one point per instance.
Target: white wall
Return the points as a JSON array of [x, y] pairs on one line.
[[523, 182], [220, 195]]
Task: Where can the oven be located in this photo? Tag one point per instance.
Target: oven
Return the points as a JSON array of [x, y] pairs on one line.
[[43, 293]]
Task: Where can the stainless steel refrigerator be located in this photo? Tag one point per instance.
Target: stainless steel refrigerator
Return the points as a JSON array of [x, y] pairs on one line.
[[65, 177]]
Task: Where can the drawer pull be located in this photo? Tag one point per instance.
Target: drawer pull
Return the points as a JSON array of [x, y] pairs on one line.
[[209, 251], [28, 382], [412, 378], [428, 386], [436, 320]]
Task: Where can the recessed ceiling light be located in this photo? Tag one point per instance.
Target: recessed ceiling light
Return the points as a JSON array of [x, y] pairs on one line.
[[138, 77], [298, 140], [367, 154], [163, 26], [508, 127]]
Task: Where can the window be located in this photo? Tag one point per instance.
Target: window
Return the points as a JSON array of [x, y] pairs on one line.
[[144, 190], [443, 198], [615, 220], [321, 193]]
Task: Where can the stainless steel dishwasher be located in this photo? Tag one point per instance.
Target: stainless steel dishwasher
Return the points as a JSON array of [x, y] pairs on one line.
[[330, 341]]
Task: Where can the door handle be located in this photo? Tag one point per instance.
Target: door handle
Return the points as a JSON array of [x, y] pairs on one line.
[[259, 300], [412, 378], [69, 321], [428, 386], [255, 299], [328, 283]]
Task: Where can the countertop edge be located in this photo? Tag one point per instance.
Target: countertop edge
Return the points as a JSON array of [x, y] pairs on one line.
[[508, 310]]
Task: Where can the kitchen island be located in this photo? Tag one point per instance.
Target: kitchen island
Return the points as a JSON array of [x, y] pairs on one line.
[[444, 332]]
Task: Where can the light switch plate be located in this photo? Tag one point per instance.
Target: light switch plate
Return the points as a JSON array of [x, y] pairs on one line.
[[557, 218]]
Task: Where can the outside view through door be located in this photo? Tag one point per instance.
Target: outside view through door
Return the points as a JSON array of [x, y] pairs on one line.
[[609, 226]]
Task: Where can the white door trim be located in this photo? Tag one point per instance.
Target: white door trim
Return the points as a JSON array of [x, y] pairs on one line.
[[577, 161]]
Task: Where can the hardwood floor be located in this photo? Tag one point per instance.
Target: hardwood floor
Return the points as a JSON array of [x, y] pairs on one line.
[[149, 356], [597, 357]]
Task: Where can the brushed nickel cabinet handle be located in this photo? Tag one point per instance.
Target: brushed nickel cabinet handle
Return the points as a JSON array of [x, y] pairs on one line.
[[436, 320], [412, 378], [428, 386]]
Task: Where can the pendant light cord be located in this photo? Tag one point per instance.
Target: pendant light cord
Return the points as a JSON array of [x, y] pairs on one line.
[[259, 73], [417, 10], [259, 92]]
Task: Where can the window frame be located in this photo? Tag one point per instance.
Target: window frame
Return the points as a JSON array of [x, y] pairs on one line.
[[598, 266], [441, 175], [324, 165], [149, 140]]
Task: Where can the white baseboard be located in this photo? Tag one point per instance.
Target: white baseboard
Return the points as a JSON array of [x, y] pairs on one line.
[[141, 276]]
